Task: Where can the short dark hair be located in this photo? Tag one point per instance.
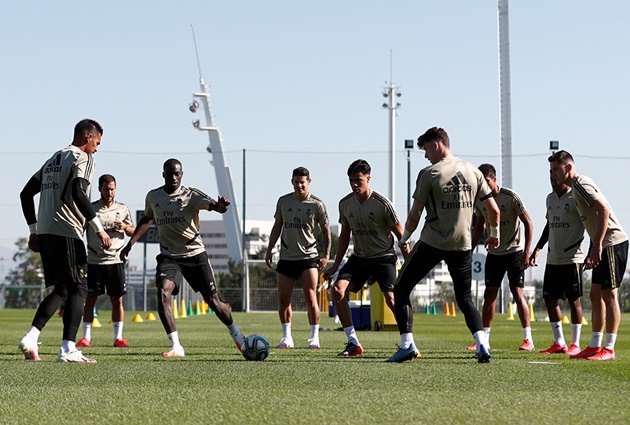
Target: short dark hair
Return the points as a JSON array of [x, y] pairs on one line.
[[562, 157], [171, 161], [488, 170], [301, 171], [434, 134], [359, 166], [106, 179], [86, 126]]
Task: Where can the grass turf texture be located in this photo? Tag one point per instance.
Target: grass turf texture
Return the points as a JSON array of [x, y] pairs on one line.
[[214, 384]]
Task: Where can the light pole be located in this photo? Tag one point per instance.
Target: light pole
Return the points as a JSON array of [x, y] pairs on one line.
[[408, 148], [391, 92]]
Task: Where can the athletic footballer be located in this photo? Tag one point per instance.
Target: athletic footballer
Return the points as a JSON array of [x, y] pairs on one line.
[[370, 219], [297, 215], [175, 210], [448, 190], [607, 255]]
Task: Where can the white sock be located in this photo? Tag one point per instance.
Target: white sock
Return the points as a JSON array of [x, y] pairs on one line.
[[118, 328], [32, 334], [315, 332], [558, 335], [286, 330], [596, 339], [235, 332], [68, 346], [87, 330], [610, 341], [480, 339], [174, 337], [576, 333], [527, 334], [486, 331], [351, 334], [406, 340]]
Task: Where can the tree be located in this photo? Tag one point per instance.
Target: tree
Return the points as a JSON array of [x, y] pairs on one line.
[[27, 273]]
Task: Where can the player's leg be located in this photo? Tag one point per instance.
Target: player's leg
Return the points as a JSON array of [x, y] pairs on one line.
[[286, 278], [94, 290], [309, 280], [418, 264], [199, 274], [495, 270], [116, 288]]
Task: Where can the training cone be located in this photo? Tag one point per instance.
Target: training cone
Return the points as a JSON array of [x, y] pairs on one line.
[[182, 310], [111, 321], [96, 323], [453, 314], [510, 313], [434, 309], [584, 322], [198, 308], [565, 319], [427, 309], [137, 318], [95, 312], [447, 310], [150, 316], [531, 312], [190, 309], [175, 314]]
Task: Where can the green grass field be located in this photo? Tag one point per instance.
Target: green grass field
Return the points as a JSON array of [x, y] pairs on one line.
[[214, 384]]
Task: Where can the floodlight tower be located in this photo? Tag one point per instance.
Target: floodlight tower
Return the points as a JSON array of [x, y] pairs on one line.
[[391, 92], [231, 220]]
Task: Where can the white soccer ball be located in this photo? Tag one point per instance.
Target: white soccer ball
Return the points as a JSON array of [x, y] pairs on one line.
[[255, 347]]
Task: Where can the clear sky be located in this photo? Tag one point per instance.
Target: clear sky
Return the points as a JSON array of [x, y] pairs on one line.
[[297, 83]]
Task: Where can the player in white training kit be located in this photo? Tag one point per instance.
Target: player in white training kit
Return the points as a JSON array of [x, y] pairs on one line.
[[297, 215], [63, 185], [607, 255], [448, 189], [370, 218], [563, 273], [106, 270], [175, 210], [511, 257]]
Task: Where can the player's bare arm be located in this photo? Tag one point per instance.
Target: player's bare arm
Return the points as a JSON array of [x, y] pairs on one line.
[[492, 241], [412, 221], [529, 235], [273, 238], [140, 229], [595, 253], [397, 230], [342, 247], [480, 227], [323, 260]]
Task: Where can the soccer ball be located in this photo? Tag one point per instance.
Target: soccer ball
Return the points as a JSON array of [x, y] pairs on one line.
[[255, 347]]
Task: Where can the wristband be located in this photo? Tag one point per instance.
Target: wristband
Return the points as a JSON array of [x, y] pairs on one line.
[[494, 231], [32, 228], [96, 225], [405, 237]]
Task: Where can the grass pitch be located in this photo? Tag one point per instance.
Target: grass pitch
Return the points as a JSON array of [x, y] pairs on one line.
[[214, 384]]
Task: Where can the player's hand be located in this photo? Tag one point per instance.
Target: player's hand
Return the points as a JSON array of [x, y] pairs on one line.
[[331, 271], [404, 249], [33, 242], [106, 242], [268, 258], [594, 257], [321, 263], [532, 258], [124, 253], [525, 261], [491, 243], [119, 225]]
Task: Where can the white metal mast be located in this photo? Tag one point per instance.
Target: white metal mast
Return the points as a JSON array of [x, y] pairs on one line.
[[505, 93], [231, 220], [391, 92]]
